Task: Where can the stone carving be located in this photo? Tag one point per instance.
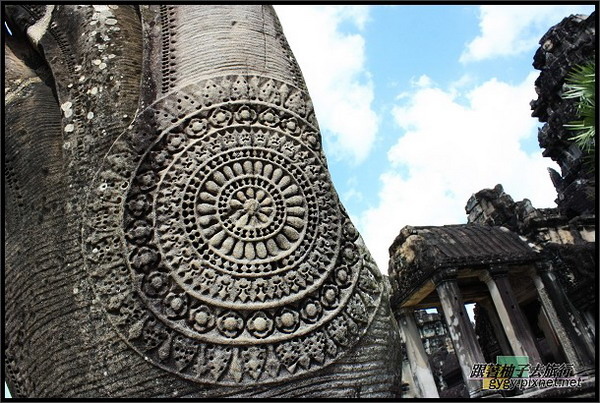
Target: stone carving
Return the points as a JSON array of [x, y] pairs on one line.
[[569, 43], [219, 250], [172, 229]]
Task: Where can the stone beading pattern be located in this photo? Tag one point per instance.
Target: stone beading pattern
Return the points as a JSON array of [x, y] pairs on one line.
[[217, 244]]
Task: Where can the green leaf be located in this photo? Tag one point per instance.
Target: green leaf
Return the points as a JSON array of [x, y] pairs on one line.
[[580, 84]]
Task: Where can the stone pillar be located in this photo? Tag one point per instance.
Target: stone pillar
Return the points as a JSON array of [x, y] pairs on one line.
[[417, 358], [461, 331], [488, 305], [568, 327], [591, 323], [515, 324], [550, 335]]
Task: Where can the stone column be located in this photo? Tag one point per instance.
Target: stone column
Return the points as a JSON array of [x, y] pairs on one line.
[[494, 319], [591, 322], [515, 324], [568, 327], [417, 358], [461, 331]]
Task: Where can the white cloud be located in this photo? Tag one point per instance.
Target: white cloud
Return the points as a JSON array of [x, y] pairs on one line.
[[465, 80], [423, 81], [510, 30], [351, 193], [358, 15], [333, 65], [450, 151]]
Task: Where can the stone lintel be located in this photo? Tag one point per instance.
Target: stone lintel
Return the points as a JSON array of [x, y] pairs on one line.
[[443, 275], [498, 270], [418, 295]]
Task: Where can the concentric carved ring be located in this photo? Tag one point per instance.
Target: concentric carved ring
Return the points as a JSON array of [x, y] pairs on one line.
[[217, 244], [236, 215], [250, 210]]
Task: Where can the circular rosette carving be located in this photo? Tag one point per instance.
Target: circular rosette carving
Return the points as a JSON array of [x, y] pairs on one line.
[[223, 254], [202, 318], [238, 212], [260, 325], [260, 219], [230, 324]]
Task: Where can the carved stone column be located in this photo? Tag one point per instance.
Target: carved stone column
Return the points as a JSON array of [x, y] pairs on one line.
[[566, 324], [417, 358], [497, 327], [517, 329], [462, 334]]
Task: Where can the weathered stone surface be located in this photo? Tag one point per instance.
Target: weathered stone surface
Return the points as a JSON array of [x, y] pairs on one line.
[[198, 247], [418, 360], [492, 207], [418, 253], [489, 331], [516, 328], [577, 346], [462, 333], [570, 43], [234, 238], [567, 243]]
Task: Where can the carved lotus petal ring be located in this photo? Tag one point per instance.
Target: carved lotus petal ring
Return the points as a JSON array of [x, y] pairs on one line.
[[229, 236]]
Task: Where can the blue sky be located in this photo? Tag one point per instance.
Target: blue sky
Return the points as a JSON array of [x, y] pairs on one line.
[[421, 106]]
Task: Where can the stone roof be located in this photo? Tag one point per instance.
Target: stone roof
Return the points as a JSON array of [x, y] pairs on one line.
[[418, 253], [469, 244]]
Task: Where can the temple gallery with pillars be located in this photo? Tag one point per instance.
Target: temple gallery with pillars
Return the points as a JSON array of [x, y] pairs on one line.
[[516, 294], [528, 274]]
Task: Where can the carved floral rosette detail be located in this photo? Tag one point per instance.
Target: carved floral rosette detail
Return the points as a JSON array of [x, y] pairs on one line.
[[217, 244]]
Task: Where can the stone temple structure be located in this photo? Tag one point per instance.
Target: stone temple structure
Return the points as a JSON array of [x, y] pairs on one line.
[[171, 229], [171, 226], [568, 44], [532, 273]]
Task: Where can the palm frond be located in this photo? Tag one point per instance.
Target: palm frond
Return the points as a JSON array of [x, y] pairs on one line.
[[580, 84]]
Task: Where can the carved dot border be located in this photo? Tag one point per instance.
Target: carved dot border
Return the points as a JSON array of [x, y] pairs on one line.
[[216, 242]]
